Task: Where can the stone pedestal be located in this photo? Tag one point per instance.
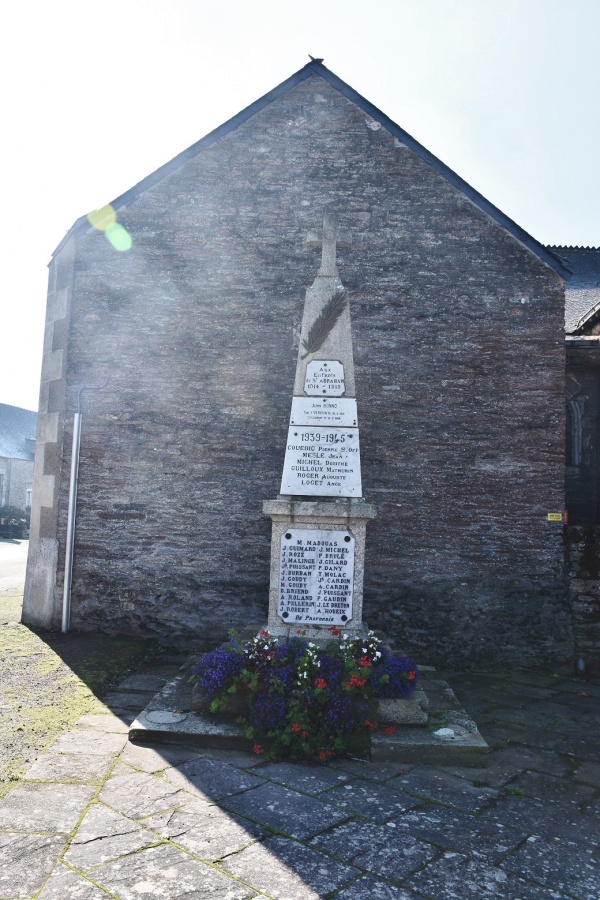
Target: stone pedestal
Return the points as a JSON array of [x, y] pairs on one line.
[[328, 566]]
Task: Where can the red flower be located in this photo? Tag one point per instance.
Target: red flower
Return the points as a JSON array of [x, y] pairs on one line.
[[324, 755], [264, 632], [295, 727], [321, 683], [370, 725], [257, 749], [412, 676], [335, 631], [304, 734], [364, 661], [355, 681], [390, 729]]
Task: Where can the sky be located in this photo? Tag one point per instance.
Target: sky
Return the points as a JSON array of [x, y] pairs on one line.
[[97, 95]]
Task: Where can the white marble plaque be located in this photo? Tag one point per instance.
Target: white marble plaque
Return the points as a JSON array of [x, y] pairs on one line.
[[316, 576], [323, 411], [324, 378], [322, 462]]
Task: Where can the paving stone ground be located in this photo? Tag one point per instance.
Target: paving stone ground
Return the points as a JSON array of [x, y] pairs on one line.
[[97, 817]]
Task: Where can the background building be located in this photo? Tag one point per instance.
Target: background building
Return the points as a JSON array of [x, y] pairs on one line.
[[17, 449]]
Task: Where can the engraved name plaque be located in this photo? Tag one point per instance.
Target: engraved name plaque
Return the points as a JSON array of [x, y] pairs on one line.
[[322, 462], [323, 411], [324, 378], [316, 576]]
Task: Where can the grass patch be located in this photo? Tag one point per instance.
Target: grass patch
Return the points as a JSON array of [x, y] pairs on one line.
[[50, 680]]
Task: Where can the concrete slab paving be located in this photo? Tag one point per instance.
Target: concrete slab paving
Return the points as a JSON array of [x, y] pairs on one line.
[[137, 794], [171, 874], [557, 867], [285, 811], [34, 807], [26, 860], [373, 888], [97, 816], [205, 829], [147, 682], [377, 849], [457, 877], [373, 801], [104, 835], [104, 722], [308, 779], [449, 829], [284, 868], [64, 884], [90, 743], [69, 768], [129, 700], [156, 759], [431, 784], [209, 779]]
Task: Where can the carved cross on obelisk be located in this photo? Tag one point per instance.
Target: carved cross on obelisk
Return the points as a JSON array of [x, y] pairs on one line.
[[329, 238]]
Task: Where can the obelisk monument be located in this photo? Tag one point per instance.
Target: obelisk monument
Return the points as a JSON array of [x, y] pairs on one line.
[[319, 518]]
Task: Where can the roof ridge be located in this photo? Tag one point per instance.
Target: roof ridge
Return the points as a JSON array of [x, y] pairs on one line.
[[571, 247], [22, 408]]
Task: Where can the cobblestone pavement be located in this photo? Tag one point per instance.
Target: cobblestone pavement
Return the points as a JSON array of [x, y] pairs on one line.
[[99, 817]]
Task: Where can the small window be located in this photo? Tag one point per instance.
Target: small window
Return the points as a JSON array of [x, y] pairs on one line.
[[28, 498]]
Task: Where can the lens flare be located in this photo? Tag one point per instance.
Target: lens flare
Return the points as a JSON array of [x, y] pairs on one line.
[[102, 218], [118, 237], [105, 220]]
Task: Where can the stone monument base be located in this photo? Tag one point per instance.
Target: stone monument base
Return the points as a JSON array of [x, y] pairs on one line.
[[305, 516], [450, 737]]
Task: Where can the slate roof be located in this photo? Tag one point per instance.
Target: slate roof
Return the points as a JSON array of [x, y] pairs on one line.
[[582, 294], [316, 67], [17, 432]]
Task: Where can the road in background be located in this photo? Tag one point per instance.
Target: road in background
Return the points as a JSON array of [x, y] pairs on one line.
[[13, 561]]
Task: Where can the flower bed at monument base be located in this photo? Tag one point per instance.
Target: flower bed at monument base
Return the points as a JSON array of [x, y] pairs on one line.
[[299, 701]]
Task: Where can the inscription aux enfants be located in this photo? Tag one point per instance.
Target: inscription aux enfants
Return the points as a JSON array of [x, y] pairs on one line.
[[322, 455]]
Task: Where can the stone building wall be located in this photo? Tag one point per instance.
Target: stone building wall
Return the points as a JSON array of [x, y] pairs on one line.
[[459, 359], [583, 407], [21, 480], [582, 551]]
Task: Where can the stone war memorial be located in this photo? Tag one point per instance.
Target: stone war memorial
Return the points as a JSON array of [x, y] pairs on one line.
[[183, 318], [319, 519]]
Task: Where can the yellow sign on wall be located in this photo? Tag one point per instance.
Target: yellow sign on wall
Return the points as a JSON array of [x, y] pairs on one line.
[[555, 517]]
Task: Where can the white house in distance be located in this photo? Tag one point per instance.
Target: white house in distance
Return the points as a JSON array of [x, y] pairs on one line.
[[17, 449]]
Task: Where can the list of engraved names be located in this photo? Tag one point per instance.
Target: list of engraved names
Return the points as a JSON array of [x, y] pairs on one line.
[[316, 576]]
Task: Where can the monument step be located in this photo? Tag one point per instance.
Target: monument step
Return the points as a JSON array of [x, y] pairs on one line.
[[450, 736]]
